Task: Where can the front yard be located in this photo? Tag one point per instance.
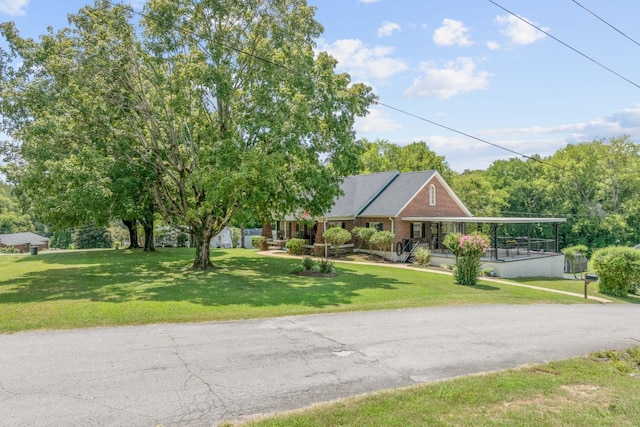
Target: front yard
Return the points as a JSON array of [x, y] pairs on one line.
[[120, 287]]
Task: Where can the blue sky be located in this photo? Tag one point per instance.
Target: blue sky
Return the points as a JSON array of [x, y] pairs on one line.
[[468, 65]]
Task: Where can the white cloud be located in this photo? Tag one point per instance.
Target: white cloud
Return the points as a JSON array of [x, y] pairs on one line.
[[452, 33], [361, 62], [387, 28], [493, 45], [376, 121], [518, 31], [456, 77], [13, 7]]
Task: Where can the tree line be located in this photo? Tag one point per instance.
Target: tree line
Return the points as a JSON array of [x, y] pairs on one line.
[[593, 184]]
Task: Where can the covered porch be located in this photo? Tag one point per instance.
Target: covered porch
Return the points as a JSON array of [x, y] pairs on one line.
[[520, 247]]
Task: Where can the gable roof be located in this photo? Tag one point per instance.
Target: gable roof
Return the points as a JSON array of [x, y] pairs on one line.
[[359, 191], [384, 194], [397, 194], [22, 238]]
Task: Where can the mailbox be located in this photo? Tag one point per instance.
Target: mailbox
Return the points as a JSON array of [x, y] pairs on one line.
[[590, 277]]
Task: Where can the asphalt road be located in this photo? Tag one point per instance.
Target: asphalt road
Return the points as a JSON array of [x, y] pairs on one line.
[[202, 374]]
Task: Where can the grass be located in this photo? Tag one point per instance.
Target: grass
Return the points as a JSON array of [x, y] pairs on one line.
[[599, 390], [577, 286], [108, 287]]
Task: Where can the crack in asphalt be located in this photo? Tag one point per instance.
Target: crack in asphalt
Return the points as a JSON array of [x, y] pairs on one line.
[[197, 409]]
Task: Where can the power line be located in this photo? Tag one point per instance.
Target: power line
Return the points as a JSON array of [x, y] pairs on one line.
[[565, 44], [603, 20], [397, 109]]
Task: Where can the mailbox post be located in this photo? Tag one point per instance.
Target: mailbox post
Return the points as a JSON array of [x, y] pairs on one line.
[[588, 278]]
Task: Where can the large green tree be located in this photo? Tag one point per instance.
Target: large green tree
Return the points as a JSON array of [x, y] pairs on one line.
[[224, 104], [72, 161]]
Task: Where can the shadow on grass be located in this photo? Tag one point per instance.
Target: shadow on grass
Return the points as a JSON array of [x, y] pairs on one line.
[[239, 279]]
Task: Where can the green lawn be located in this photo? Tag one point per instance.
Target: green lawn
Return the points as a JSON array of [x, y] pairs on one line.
[[577, 286], [108, 287], [599, 390]]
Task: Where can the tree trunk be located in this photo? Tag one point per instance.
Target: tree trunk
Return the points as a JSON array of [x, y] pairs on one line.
[[132, 226], [266, 230], [242, 238], [147, 226], [202, 260]]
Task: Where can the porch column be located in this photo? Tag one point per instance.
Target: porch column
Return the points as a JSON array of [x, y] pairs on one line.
[[555, 236], [494, 241]]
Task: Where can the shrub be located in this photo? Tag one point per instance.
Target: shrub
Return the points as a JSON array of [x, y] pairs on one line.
[[259, 242], [468, 249], [307, 263], [90, 236], [573, 254], [422, 255], [9, 250], [618, 268], [445, 266], [296, 246], [382, 240], [363, 235], [296, 269], [336, 236], [325, 266], [236, 235]]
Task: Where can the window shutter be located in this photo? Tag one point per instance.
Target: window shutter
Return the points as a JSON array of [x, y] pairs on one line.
[[424, 230]]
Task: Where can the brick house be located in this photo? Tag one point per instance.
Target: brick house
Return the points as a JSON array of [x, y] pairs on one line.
[[23, 241], [421, 209], [384, 201]]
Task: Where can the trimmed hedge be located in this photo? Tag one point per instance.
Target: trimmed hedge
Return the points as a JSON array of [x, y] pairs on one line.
[[618, 268], [296, 246]]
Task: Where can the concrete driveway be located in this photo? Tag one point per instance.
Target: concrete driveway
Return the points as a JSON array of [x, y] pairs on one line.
[[202, 374]]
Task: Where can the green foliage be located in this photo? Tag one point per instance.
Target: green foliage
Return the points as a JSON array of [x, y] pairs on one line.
[[90, 236], [336, 236], [9, 250], [618, 268], [382, 156], [573, 254], [259, 242], [61, 239], [296, 246], [308, 263], [382, 240], [468, 249], [297, 269], [363, 235], [326, 266], [236, 235], [422, 255], [209, 129]]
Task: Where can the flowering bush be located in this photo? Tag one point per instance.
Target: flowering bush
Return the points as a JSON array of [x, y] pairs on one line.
[[468, 249]]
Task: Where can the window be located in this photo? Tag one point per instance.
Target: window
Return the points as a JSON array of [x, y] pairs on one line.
[[376, 225], [416, 230], [432, 195], [332, 224]]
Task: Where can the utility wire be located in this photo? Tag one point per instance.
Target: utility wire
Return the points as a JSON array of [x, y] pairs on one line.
[[603, 20], [565, 44], [382, 104]]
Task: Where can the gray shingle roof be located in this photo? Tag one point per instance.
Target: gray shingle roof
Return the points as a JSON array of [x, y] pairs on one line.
[[359, 191], [22, 238], [397, 194]]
